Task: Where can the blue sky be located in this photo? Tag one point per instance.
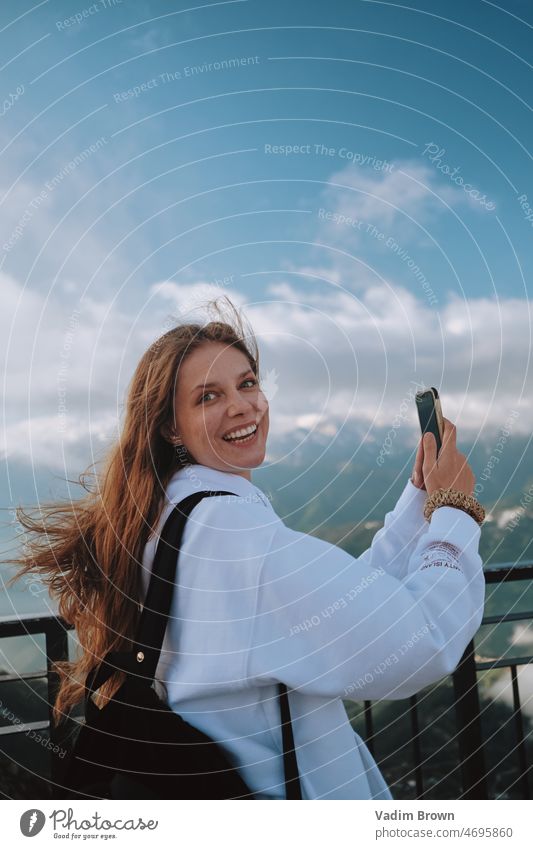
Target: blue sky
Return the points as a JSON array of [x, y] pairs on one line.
[[356, 175]]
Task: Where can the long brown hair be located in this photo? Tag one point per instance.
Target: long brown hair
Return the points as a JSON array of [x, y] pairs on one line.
[[89, 551]]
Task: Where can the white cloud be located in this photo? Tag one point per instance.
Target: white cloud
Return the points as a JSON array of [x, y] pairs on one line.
[[506, 516], [336, 357], [334, 351], [522, 634], [187, 300], [396, 202], [69, 443], [343, 343]]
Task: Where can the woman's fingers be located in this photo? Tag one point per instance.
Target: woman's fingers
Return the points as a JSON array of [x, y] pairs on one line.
[[418, 476], [430, 455], [419, 460], [449, 436], [427, 463]]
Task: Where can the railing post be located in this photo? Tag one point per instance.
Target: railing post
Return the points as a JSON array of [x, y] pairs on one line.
[[519, 725], [369, 727], [470, 736], [56, 649], [417, 751]]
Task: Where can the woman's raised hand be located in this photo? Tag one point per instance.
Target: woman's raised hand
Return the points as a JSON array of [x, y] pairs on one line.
[[450, 470]]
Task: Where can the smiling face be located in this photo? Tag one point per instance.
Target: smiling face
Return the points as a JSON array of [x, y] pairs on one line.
[[218, 394]]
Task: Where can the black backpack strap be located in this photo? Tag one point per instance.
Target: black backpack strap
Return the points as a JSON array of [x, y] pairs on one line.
[[143, 659], [158, 598], [293, 789]]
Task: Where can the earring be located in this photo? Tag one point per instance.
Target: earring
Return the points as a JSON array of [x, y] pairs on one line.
[[181, 451]]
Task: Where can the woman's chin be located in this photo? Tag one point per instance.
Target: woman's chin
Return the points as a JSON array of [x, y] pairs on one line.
[[251, 461], [243, 458]]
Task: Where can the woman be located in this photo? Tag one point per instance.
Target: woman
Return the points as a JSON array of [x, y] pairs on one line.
[[255, 602]]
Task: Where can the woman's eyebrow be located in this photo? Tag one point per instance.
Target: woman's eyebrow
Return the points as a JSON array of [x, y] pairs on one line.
[[214, 383]]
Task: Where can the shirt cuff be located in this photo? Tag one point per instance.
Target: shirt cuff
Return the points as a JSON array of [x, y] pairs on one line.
[[408, 511], [412, 500], [455, 524]]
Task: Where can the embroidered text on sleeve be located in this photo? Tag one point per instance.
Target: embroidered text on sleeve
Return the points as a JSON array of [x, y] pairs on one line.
[[442, 554]]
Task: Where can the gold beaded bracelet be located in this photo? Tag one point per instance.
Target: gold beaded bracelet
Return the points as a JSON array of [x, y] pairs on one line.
[[454, 498]]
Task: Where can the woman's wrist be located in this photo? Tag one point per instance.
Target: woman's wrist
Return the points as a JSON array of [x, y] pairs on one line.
[[454, 498]]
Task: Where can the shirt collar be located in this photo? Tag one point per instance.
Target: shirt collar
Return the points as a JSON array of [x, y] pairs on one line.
[[195, 478]]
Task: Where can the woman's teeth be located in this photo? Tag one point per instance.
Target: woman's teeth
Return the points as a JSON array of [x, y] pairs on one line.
[[241, 439]]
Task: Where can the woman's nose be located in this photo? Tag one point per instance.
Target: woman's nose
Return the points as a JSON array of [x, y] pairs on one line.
[[237, 404]]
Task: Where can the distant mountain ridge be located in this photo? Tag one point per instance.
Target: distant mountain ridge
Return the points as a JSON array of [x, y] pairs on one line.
[[333, 486]]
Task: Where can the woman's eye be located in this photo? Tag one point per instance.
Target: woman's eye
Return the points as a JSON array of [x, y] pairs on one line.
[[251, 380]]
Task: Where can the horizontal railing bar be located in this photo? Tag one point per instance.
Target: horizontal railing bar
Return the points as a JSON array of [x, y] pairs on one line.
[[25, 676], [506, 564], [31, 625], [18, 728], [39, 725], [508, 570], [10, 618], [507, 617], [498, 664], [509, 573]]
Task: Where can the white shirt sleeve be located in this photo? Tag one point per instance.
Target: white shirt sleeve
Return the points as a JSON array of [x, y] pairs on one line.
[[394, 543], [341, 627]]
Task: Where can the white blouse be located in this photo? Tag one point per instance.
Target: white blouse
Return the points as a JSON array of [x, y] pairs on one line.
[[256, 603]]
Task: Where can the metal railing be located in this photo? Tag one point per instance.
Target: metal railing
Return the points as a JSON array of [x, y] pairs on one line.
[[471, 745], [465, 687], [55, 632]]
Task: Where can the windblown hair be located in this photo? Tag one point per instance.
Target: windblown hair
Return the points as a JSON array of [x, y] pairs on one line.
[[89, 551]]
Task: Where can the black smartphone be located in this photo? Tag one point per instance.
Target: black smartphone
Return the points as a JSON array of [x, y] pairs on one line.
[[430, 414]]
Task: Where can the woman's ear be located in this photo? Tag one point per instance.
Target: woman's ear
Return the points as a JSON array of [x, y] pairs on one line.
[[167, 432]]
